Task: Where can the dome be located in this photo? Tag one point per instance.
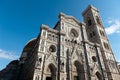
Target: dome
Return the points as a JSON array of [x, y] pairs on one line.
[[14, 62], [30, 44]]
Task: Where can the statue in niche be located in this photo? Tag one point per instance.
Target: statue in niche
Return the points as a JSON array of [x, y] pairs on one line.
[[38, 63]]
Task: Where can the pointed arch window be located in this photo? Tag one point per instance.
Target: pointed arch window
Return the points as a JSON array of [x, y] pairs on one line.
[[80, 71], [89, 22], [52, 70], [98, 20]]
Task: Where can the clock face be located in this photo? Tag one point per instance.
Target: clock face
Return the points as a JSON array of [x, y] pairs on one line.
[[74, 33]]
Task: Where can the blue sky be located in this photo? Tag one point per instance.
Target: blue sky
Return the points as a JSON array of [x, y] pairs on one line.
[[20, 21]]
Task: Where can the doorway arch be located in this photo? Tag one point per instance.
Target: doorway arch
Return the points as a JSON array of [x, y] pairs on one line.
[[80, 71], [52, 70]]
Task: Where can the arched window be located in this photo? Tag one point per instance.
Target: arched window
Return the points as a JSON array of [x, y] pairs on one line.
[[52, 75], [98, 20], [89, 22], [106, 45]]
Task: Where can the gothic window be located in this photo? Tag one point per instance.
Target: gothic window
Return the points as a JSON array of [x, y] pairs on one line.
[[98, 20], [89, 22], [79, 71], [102, 33], [52, 75], [106, 45], [113, 65], [92, 34]]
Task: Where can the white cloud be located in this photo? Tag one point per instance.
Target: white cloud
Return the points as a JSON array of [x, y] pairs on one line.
[[118, 62], [8, 55], [114, 26]]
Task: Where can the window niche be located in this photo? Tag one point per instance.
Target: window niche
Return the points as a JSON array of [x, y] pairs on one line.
[[92, 34], [106, 45], [89, 22], [102, 33], [98, 20]]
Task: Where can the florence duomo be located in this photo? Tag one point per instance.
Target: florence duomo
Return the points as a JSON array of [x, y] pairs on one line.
[[72, 50]]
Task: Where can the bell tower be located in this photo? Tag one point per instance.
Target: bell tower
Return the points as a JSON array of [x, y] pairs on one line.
[[96, 34]]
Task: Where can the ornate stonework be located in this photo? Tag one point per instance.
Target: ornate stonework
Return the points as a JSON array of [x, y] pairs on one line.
[[72, 50]]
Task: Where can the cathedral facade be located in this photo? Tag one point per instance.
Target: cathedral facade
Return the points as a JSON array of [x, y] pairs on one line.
[[72, 50]]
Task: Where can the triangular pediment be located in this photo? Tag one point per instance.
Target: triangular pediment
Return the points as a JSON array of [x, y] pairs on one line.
[[72, 20]]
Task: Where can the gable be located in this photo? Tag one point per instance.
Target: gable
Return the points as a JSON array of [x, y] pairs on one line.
[[69, 19], [72, 21]]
